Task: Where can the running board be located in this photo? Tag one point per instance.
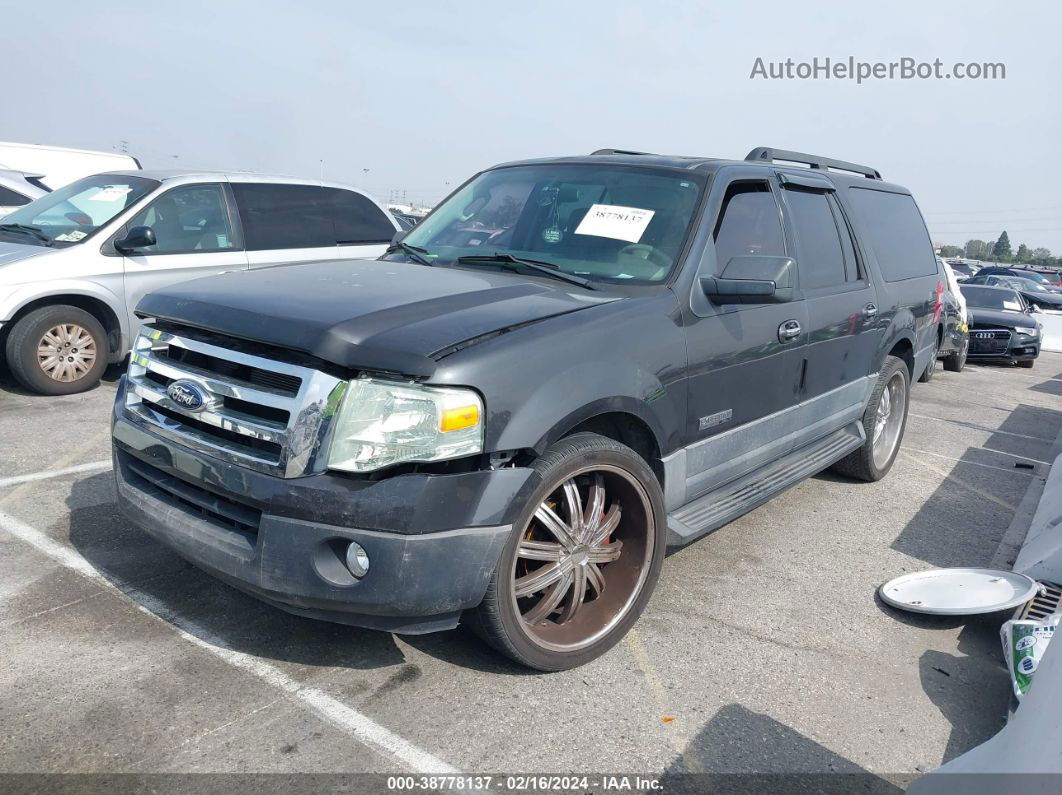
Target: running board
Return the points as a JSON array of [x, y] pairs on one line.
[[716, 508]]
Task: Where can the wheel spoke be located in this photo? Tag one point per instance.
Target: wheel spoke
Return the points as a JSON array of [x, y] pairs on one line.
[[541, 578], [595, 505], [549, 602], [605, 554], [575, 509], [555, 525], [595, 578], [607, 527], [540, 550], [575, 599]]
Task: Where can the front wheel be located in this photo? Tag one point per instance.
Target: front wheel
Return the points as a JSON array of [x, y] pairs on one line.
[[1027, 364], [583, 558], [883, 422], [57, 350]]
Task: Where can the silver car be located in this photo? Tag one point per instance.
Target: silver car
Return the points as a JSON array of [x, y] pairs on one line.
[[18, 189], [75, 262]]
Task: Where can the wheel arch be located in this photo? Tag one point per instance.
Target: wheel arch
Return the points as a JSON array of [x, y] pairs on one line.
[[93, 304]]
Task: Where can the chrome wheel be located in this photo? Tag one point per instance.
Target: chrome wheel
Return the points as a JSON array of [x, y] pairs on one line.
[[889, 419], [66, 352], [583, 558]]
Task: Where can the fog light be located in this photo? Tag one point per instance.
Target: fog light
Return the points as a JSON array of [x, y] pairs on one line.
[[357, 560]]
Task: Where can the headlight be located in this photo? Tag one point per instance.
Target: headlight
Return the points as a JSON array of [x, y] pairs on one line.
[[384, 422], [1029, 334]]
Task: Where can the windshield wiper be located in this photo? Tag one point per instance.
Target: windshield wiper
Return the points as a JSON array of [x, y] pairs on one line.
[[29, 230], [415, 253], [539, 266]]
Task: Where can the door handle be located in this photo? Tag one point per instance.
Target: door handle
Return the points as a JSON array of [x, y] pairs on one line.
[[870, 310], [788, 331]]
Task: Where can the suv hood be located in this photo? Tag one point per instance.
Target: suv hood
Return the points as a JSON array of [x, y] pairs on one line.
[[366, 314], [994, 317]]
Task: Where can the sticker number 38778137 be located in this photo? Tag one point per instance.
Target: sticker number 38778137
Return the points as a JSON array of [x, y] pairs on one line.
[[619, 223]]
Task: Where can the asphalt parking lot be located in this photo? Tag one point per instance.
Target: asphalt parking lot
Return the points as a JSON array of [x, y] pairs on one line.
[[764, 648]]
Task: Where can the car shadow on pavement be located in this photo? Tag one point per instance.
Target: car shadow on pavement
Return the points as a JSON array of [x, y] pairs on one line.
[[8, 384], [739, 751], [151, 574]]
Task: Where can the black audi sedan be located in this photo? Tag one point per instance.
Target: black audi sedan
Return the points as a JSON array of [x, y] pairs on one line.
[[1003, 326]]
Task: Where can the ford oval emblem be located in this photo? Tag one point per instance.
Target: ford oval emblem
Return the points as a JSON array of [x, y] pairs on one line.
[[187, 394]]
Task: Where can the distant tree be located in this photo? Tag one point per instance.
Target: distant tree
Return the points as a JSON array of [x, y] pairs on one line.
[[1001, 250], [1041, 253], [975, 249], [951, 251], [1023, 254]]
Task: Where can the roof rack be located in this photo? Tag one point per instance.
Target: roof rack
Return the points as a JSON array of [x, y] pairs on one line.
[[816, 162], [617, 152]]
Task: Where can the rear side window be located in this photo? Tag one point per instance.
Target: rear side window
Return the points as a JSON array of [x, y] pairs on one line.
[[307, 216], [357, 219], [748, 223], [821, 259], [10, 198], [896, 233], [284, 216]]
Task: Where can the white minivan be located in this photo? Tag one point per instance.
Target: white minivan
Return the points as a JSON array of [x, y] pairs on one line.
[[75, 262]]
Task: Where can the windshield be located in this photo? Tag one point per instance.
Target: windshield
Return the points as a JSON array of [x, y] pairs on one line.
[[992, 298], [1022, 283], [73, 213], [601, 222]]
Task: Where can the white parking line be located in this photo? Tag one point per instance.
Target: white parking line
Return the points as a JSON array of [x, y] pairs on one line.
[[979, 464], [354, 723], [976, 427], [14, 480]]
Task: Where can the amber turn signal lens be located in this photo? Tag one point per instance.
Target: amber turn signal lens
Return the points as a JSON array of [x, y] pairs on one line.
[[458, 418]]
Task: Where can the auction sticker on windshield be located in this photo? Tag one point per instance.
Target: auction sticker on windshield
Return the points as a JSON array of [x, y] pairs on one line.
[[619, 223]]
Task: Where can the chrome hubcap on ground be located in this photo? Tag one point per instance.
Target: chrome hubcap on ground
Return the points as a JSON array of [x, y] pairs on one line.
[[66, 352], [888, 419], [583, 558]]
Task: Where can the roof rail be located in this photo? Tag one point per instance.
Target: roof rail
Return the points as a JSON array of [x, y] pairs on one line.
[[821, 163], [617, 152]]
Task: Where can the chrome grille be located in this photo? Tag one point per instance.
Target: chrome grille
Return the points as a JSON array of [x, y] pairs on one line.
[[261, 413], [989, 340]]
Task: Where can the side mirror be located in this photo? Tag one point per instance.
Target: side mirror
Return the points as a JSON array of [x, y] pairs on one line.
[[752, 280], [137, 237]]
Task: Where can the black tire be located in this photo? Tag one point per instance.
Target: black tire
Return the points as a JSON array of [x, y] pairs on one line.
[[954, 362], [1027, 364], [29, 332], [931, 368], [860, 463], [499, 618]]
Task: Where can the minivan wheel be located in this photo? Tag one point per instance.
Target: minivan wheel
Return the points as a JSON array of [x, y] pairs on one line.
[[57, 350], [884, 421], [954, 362], [582, 560]]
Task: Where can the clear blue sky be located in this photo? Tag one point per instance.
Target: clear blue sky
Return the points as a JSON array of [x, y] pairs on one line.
[[424, 94]]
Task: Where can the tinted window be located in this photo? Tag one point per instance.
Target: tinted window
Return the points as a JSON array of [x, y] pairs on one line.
[[821, 260], [284, 216], [9, 198], [748, 223], [190, 218], [357, 219], [896, 233]]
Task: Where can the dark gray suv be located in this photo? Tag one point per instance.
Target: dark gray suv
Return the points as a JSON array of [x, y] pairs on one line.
[[568, 366]]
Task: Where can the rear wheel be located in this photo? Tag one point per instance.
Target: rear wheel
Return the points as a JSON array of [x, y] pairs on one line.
[[954, 362], [583, 559], [931, 368], [883, 422], [57, 350]]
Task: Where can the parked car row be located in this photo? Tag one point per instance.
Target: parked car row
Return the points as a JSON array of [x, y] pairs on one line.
[[568, 366]]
